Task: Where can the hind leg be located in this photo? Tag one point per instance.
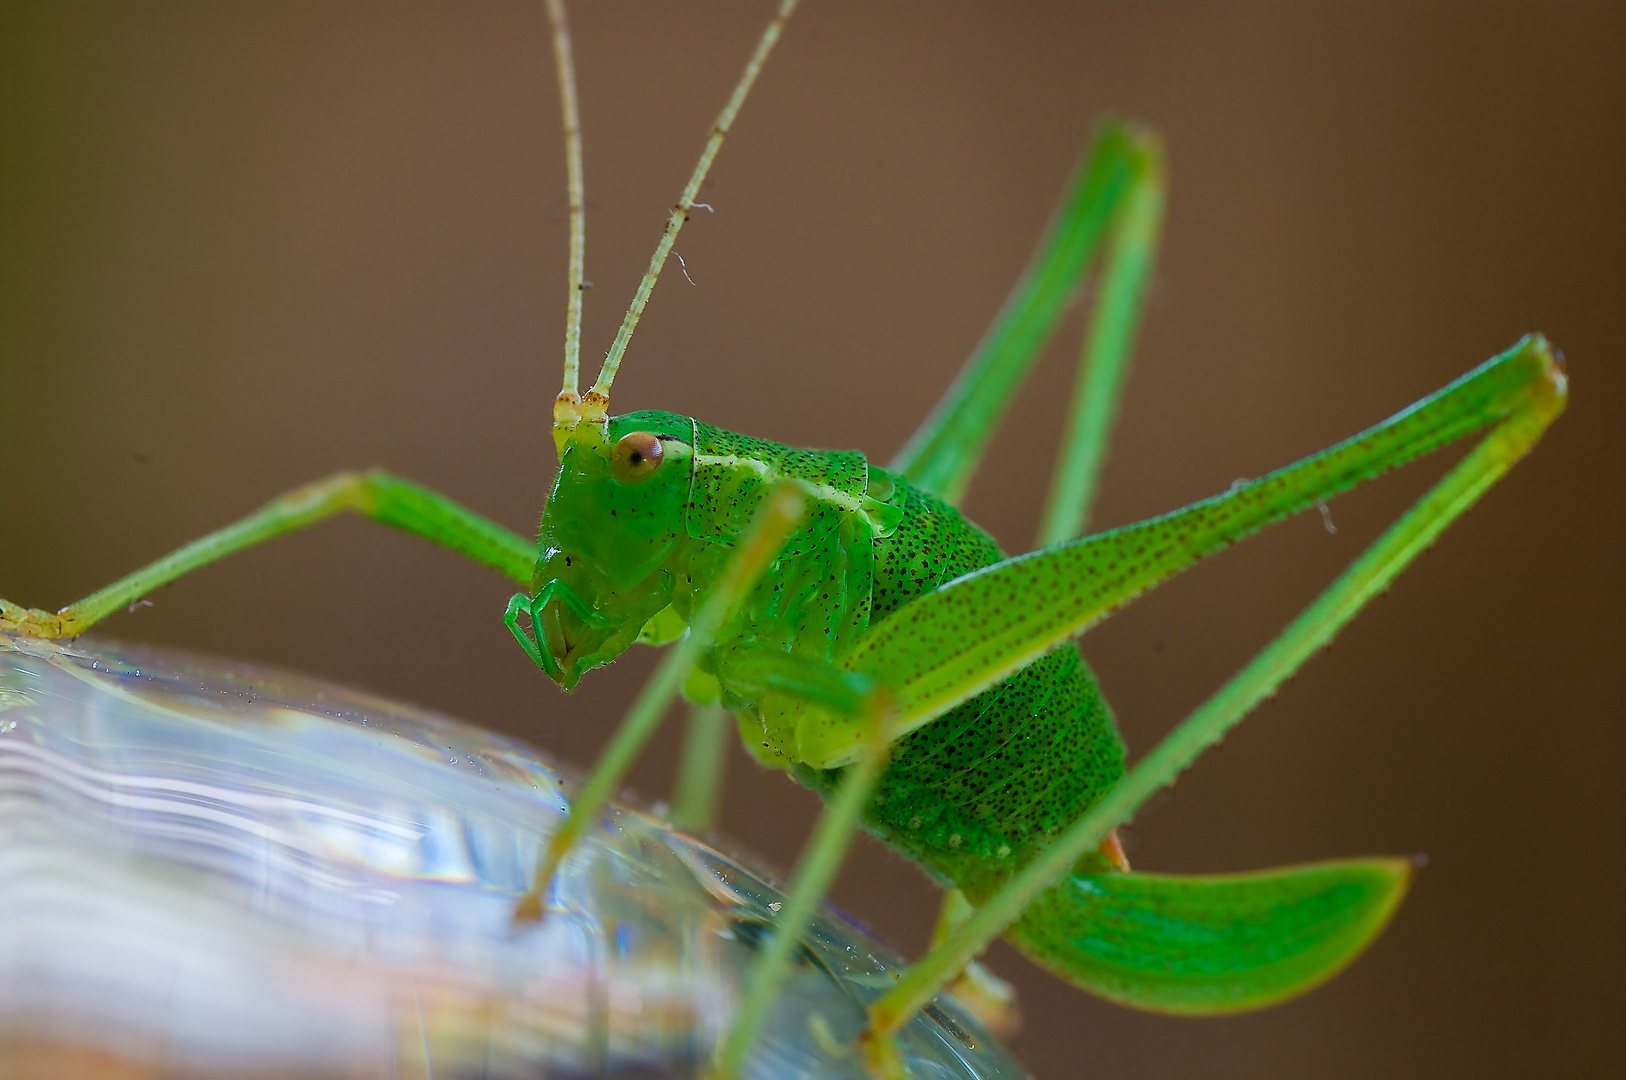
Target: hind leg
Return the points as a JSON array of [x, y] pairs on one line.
[[1517, 395], [1116, 197]]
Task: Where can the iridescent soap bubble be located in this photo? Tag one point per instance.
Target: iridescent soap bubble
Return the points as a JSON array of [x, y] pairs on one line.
[[209, 870]]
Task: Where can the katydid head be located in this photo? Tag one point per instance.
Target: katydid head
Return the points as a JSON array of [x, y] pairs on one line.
[[615, 517], [610, 538]]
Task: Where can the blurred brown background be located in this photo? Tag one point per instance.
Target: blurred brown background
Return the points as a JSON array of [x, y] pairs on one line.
[[247, 245]]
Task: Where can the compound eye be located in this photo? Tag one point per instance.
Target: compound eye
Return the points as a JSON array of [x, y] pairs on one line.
[[637, 456]]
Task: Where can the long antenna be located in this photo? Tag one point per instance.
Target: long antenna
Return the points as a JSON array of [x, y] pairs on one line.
[[594, 405], [564, 63]]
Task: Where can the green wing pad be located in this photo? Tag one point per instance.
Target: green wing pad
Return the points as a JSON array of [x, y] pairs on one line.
[[1208, 945]]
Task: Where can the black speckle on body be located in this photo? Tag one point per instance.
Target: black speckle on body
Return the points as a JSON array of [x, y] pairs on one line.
[[974, 794]]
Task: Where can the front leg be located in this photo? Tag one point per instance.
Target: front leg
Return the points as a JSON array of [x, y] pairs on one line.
[[781, 512], [375, 494], [868, 708]]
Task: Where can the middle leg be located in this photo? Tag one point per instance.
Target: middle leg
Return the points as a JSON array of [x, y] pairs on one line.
[[779, 516], [699, 787]]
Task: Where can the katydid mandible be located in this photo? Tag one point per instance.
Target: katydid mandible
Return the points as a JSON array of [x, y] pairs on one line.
[[879, 647]]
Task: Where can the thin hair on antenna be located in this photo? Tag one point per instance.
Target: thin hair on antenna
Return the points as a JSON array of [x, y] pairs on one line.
[[594, 405], [564, 63]]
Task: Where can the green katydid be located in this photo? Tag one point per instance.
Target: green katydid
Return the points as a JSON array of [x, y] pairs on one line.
[[996, 765]]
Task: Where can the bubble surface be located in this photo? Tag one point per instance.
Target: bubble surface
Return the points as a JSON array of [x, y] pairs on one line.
[[215, 870]]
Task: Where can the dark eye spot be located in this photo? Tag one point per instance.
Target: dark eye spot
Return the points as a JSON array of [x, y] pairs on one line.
[[636, 457]]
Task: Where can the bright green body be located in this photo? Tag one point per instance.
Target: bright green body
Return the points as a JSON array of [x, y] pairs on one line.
[[882, 648], [1003, 742], [969, 796]]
